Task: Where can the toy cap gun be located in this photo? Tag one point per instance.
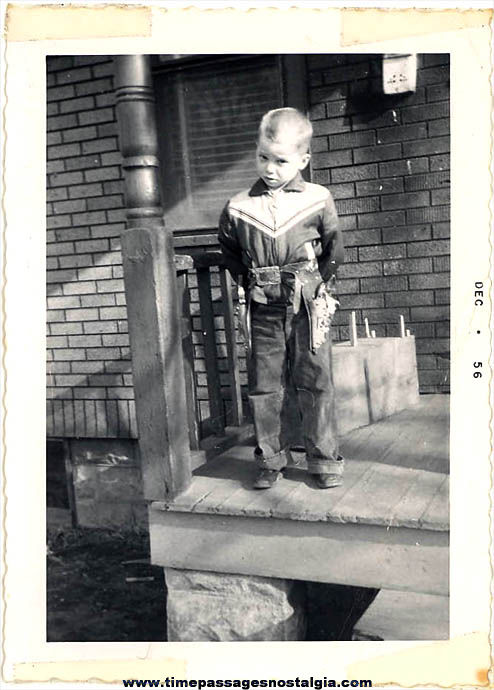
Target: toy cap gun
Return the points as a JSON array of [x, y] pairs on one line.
[[242, 312], [322, 309]]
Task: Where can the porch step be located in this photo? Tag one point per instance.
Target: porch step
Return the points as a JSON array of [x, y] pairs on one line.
[[404, 616]]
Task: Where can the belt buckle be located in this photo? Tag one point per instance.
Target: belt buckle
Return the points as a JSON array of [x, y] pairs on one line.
[[268, 275]]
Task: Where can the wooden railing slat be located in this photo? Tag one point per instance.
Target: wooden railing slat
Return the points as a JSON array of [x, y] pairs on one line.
[[231, 347], [208, 330], [188, 357]]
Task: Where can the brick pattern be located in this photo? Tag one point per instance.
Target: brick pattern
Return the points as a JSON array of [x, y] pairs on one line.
[[386, 161], [89, 383]]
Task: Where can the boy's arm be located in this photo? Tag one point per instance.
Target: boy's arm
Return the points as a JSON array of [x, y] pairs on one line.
[[230, 248], [332, 242]]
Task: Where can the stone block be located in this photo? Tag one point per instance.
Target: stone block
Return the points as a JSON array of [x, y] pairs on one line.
[[216, 607]]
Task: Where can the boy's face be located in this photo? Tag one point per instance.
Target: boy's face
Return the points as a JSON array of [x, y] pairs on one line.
[[279, 161]]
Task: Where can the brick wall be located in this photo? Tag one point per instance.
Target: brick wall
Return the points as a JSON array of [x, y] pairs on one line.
[[386, 161], [89, 387], [89, 383]]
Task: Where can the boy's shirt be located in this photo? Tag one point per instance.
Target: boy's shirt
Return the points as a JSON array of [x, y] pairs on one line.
[[260, 227]]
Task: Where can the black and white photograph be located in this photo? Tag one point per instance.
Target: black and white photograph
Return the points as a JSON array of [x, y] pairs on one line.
[[248, 346]]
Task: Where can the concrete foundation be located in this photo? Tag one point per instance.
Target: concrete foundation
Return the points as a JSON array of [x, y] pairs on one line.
[[107, 483], [218, 607]]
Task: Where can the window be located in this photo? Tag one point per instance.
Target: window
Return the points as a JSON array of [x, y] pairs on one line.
[[208, 111]]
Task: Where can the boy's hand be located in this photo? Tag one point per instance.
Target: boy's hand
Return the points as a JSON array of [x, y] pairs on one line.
[[328, 286]]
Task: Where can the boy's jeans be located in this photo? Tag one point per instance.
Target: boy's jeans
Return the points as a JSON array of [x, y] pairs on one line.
[[281, 349]]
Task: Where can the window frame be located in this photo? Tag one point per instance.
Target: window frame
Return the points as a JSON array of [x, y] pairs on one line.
[[293, 84]]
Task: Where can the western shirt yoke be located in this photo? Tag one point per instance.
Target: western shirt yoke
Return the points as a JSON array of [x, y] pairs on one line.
[[263, 227]]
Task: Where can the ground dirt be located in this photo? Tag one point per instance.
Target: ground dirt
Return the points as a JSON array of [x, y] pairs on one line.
[[94, 594]]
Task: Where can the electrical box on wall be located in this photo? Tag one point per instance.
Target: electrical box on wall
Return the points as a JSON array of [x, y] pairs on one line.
[[399, 73]]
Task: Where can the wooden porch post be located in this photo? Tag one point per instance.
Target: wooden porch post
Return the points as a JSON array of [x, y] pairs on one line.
[[151, 292]]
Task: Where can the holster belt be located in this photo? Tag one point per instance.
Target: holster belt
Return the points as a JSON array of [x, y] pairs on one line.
[[305, 281], [294, 276], [273, 275], [266, 275]]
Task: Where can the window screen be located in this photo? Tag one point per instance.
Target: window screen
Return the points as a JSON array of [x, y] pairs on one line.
[[208, 118]]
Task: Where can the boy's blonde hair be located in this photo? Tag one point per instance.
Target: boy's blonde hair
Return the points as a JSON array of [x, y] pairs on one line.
[[286, 121]]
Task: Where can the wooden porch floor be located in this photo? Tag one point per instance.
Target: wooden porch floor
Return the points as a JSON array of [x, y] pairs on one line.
[[396, 474], [391, 516]]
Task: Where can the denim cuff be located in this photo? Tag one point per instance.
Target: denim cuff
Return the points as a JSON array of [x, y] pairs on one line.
[[272, 462], [326, 465]]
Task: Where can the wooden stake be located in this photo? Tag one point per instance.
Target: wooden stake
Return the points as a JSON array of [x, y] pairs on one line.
[[373, 334], [402, 326], [367, 331], [353, 330]]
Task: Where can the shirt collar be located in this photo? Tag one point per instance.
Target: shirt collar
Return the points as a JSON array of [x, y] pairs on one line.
[[295, 185]]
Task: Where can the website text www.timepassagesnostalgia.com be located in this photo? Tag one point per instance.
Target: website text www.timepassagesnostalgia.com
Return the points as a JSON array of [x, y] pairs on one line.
[[247, 684]]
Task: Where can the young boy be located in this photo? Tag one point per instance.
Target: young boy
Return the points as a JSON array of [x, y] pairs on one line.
[[280, 239]]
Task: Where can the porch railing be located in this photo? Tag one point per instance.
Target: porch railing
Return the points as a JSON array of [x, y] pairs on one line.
[[224, 410]]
